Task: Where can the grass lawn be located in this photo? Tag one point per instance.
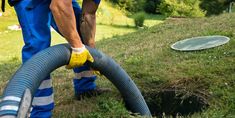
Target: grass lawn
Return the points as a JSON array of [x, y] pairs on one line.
[[172, 82], [155, 68], [147, 57]]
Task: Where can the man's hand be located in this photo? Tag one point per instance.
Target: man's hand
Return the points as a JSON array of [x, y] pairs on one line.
[[78, 57]]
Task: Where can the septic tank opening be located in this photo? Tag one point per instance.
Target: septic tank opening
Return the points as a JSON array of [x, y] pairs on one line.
[[177, 99]]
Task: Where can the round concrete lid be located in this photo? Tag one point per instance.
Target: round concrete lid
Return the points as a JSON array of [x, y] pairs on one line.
[[200, 43]]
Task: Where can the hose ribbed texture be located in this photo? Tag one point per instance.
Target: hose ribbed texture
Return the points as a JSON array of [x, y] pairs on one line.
[[32, 73], [131, 94]]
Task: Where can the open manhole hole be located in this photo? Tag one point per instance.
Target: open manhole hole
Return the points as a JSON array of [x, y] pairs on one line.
[[176, 100]]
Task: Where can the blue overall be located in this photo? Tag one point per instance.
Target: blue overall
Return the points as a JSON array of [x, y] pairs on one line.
[[36, 19]]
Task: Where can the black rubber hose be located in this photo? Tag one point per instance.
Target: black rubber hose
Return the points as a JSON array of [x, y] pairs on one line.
[[32, 73]]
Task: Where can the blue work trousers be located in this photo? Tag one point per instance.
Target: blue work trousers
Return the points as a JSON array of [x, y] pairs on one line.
[[36, 20]]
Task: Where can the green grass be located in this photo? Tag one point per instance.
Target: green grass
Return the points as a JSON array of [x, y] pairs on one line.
[[148, 59], [5, 22]]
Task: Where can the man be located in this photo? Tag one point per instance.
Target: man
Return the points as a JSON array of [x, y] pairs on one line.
[[66, 17]]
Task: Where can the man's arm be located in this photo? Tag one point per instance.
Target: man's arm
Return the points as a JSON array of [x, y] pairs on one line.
[[88, 22], [63, 14]]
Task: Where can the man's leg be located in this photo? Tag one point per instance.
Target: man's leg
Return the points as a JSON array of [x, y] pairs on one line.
[[36, 33], [84, 82]]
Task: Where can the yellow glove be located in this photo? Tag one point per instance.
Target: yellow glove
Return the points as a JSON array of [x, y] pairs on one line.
[[78, 57]]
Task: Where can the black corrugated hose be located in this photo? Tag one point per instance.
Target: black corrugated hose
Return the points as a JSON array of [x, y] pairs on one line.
[[32, 73]]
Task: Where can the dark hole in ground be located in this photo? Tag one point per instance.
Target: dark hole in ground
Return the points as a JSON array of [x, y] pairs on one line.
[[168, 102], [177, 99]]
